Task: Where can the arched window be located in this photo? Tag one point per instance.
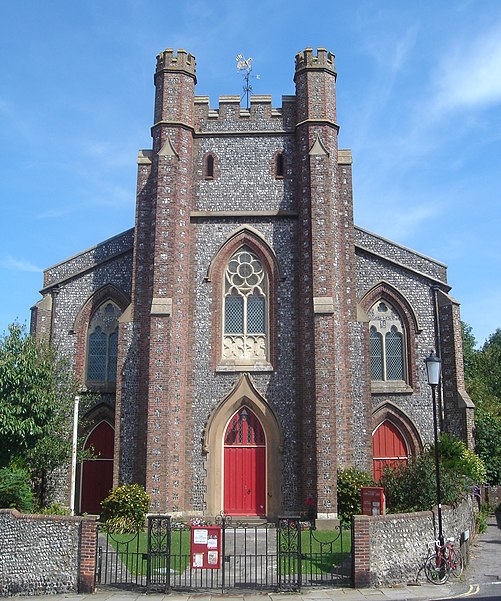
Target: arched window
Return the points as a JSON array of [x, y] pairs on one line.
[[245, 308], [387, 343], [102, 345]]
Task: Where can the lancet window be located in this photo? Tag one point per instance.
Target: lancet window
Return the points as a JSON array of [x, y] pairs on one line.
[[102, 344], [387, 343]]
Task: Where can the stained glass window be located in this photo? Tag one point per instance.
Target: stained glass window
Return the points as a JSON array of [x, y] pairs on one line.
[[102, 344]]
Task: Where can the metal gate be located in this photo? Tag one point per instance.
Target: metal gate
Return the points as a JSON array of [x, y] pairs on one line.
[[287, 555]]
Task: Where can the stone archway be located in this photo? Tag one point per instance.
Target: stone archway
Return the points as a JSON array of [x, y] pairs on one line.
[[243, 396]]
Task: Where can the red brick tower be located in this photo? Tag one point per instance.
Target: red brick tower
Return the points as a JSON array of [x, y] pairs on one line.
[[327, 293], [160, 307]]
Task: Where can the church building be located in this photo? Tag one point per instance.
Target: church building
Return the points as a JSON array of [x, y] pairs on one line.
[[245, 340]]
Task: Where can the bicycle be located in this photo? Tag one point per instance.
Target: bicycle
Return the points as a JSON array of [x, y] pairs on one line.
[[443, 561]]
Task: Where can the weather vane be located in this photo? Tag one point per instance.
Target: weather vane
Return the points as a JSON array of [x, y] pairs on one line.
[[244, 66]]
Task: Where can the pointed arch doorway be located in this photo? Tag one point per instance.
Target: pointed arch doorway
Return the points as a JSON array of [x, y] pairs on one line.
[[244, 486], [260, 456]]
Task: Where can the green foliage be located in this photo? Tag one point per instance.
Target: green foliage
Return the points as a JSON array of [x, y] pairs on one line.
[[36, 403], [483, 384], [15, 489], [349, 483], [488, 443], [481, 521], [125, 508], [413, 487], [455, 456], [55, 509]]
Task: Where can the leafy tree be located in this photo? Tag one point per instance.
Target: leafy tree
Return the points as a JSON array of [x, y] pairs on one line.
[[483, 384], [15, 491], [36, 404]]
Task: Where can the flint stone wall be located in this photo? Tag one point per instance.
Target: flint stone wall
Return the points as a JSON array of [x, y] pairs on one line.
[[41, 555], [391, 549]]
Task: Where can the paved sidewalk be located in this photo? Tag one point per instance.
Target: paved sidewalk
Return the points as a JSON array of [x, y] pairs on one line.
[[485, 566]]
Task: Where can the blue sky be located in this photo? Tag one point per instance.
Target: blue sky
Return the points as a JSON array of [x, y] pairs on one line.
[[419, 104]]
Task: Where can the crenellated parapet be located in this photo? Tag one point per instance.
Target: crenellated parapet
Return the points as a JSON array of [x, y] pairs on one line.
[[260, 115], [306, 59], [183, 62]]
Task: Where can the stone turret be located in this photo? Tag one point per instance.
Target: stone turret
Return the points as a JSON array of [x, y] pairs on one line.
[[315, 79], [175, 79]]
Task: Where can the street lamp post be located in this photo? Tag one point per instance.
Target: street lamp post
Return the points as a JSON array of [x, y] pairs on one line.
[[433, 365]]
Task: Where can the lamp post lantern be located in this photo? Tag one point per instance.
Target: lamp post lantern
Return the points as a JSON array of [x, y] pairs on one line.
[[433, 366]]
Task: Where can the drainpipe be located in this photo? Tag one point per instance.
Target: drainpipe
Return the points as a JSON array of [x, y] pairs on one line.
[[53, 292]]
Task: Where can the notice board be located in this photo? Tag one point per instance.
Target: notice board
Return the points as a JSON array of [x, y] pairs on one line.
[[373, 501], [205, 548]]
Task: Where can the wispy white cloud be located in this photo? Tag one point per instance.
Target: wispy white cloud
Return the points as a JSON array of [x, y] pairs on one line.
[[9, 262], [470, 75], [56, 213], [404, 222]]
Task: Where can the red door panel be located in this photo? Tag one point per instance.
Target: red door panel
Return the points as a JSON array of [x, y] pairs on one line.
[[97, 474], [244, 466], [388, 448]]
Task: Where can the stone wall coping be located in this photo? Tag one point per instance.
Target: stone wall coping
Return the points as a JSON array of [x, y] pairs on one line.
[[396, 516], [397, 245], [90, 249], [49, 517], [79, 272]]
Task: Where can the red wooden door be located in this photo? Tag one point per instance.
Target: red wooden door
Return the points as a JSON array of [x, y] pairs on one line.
[[97, 474], [244, 465], [388, 448]]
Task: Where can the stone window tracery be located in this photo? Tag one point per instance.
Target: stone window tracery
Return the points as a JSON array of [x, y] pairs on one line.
[[387, 343], [102, 344], [245, 308]]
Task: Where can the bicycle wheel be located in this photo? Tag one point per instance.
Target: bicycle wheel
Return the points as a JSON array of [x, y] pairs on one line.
[[435, 569], [455, 561]]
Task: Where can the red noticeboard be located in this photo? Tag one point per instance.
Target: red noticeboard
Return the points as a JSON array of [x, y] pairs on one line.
[[205, 548], [373, 501]]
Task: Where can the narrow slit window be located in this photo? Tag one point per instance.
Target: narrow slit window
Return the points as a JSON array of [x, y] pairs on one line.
[[209, 167], [279, 165]]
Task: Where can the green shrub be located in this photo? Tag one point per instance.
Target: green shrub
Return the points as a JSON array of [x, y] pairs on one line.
[[54, 509], [125, 508], [349, 483], [413, 487], [15, 489], [456, 456]]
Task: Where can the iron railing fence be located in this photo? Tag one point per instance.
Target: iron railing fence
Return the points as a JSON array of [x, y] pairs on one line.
[[287, 555]]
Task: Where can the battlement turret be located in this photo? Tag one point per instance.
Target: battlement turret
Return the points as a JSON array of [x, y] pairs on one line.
[[182, 61], [322, 60]]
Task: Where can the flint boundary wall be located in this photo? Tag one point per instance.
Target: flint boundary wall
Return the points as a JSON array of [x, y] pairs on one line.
[[391, 549], [41, 554]]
